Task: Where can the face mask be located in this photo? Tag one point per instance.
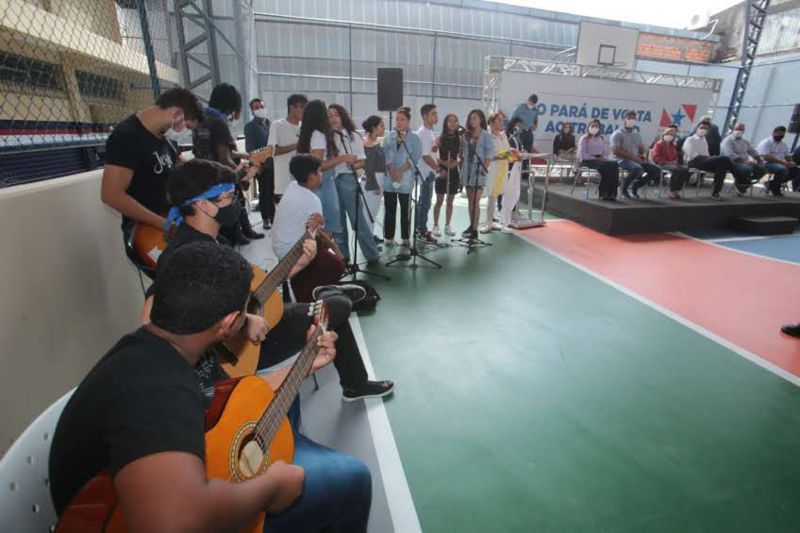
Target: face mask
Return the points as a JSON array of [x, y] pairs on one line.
[[228, 216], [738, 134], [260, 113], [702, 133], [777, 138], [172, 134], [668, 138], [593, 130], [630, 122]]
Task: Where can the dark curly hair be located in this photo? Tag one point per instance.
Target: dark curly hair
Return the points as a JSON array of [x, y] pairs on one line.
[[197, 285]]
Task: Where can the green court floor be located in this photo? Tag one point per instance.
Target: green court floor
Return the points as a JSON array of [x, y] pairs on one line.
[[533, 397]]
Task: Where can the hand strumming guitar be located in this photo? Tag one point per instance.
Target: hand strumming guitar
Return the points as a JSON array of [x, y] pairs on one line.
[[256, 328], [288, 480]]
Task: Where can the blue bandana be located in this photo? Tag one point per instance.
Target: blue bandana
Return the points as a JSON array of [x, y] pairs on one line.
[[216, 191]]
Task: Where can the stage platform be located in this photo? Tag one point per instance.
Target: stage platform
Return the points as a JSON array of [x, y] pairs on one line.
[[653, 214]]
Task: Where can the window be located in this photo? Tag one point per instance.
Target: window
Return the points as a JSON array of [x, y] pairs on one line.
[[30, 72], [95, 85]]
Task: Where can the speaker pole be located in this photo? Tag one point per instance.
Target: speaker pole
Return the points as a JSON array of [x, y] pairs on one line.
[[390, 123]]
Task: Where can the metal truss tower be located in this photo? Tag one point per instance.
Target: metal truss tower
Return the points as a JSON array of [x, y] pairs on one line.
[[755, 14], [198, 43]]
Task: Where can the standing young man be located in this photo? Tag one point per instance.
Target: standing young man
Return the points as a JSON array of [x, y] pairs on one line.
[[140, 156], [214, 141], [529, 116], [428, 166], [256, 133], [283, 135]]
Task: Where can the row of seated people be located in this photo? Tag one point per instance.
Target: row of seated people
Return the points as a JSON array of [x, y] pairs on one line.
[[679, 157]]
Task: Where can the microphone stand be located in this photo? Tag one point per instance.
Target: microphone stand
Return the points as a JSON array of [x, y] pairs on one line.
[[413, 253], [473, 242], [354, 268]]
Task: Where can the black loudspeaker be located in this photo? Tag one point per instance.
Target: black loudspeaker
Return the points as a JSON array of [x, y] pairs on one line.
[[794, 123], [390, 89]]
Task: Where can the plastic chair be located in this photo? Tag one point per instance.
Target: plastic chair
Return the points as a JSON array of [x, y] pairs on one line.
[[25, 503]]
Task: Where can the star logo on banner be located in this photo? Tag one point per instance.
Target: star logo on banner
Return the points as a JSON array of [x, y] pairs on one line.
[[678, 117]]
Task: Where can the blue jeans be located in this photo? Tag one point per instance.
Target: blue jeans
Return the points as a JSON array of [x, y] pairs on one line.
[[337, 491], [635, 173], [780, 174], [330, 205], [346, 188], [424, 203]]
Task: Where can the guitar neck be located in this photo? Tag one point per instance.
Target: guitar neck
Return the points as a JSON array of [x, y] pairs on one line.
[[281, 272], [270, 421]]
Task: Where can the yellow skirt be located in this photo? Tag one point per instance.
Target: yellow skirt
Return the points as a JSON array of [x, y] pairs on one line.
[[498, 172]]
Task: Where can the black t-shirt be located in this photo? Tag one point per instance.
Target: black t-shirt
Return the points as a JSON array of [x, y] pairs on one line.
[[210, 134], [141, 398], [150, 158]]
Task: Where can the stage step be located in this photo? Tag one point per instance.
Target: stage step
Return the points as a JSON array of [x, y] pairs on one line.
[[765, 225]]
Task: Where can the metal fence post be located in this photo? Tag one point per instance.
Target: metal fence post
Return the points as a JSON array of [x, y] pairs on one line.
[[148, 49]]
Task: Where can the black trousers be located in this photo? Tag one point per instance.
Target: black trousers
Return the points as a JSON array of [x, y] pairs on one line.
[[390, 214], [609, 176], [289, 337], [680, 175], [266, 194], [719, 165]]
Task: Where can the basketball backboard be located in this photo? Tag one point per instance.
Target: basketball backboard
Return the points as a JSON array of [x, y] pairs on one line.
[[607, 45]]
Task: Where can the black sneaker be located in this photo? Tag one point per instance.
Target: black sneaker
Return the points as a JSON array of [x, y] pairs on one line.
[[792, 330], [626, 194], [716, 196], [467, 232], [370, 389], [635, 192], [253, 235]]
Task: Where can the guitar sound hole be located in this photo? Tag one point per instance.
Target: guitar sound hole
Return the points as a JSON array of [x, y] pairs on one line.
[[254, 307], [253, 458]]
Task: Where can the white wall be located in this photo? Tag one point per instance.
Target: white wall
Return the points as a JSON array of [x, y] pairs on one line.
[[68, 292]]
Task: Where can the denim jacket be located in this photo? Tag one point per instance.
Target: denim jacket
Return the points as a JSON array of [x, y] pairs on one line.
[[396, 156]]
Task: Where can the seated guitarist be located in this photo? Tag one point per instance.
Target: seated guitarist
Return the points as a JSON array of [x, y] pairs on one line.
[[195, 187], [139, 416], [140, 156]]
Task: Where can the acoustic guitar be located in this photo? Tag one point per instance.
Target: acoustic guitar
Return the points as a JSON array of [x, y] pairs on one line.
[[239, 356], [246, 431], [149, 242]]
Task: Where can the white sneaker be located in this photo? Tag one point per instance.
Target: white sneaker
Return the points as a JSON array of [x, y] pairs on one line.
[[406, 242], [448, 229], [506, 229], [485, 229], [388, 242], [496, 226], [437, 232]]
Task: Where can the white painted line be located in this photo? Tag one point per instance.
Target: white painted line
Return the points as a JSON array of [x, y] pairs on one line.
[[763, 363], [752, 238], [395, 484], [712, 243]]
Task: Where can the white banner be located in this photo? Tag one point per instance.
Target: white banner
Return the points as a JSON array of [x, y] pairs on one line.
[[578, 100]]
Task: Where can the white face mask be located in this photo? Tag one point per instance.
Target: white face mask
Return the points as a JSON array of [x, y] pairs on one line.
[[172, 134], [594, 130], [260, 113], [702, 132], [738, 133], [630, 122], [668, 138]]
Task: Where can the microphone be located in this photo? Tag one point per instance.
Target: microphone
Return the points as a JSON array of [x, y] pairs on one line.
[[399, 137], [460, 130]]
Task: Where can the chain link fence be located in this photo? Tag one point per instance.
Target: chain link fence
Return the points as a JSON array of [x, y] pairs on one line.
[[69, 71]]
